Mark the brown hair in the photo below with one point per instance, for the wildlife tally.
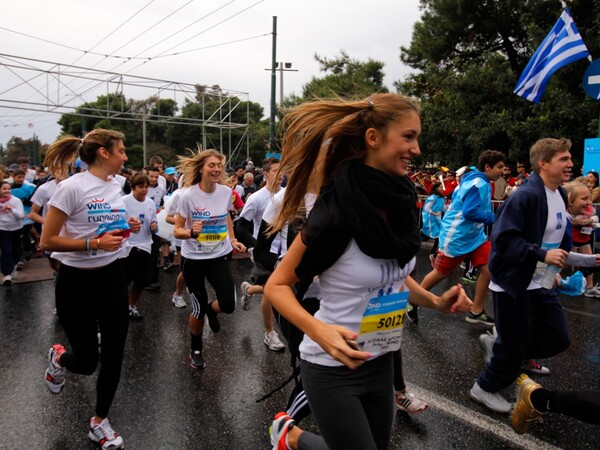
(139, 179)
(545, 149)
(191, 166)
(320, 135)
(64, 150)
(491, 158)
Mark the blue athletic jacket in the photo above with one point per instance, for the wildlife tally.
(470, 210)
(518, 233)
(431, 223)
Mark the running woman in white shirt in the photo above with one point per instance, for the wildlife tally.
(86, 227)
(361, 238)
(205, 227)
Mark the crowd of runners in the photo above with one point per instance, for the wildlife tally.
(332, 250)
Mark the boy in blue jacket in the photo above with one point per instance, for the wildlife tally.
(463, 231)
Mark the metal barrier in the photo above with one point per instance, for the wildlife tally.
(496, 204)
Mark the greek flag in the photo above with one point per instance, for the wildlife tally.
(562, 46)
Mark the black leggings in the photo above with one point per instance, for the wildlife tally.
(216, 271)
(352, 408)
(583, 405)
(85, 301)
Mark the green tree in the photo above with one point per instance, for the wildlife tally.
(346, 78)
(470, 55)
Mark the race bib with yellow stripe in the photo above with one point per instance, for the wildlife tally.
(213, 234)
(381, 326)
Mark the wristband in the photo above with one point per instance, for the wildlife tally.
(87, 245)
(193, 235)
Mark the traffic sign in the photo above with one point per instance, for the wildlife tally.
(591, 80)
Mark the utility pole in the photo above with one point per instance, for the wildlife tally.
(272, 143)
(145, 158)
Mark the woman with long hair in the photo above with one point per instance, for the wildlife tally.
(361, 239)
(204, 224)
(86, 228)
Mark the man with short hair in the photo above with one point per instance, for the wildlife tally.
(463, 232)
(450, 184)
(521, 169)
(531, 241)
(30, 174)
(248, 186)
(247, 229)
(159, 163)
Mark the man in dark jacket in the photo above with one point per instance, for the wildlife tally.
(531, 241)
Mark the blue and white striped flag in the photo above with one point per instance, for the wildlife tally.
(562, 46)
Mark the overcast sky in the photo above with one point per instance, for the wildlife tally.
(364, 29)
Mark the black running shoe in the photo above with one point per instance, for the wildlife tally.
(213, 320)
(413, 313)
(196, 360)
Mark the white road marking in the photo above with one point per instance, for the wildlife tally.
(485, 423)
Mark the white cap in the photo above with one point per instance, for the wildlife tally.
(460, 172)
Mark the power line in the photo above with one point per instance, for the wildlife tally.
(84, 52)
(187, 26)
(149, 28)
(115, 30)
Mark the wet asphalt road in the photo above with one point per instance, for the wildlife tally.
(162, 403)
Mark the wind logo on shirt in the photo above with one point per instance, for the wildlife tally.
(100, 211)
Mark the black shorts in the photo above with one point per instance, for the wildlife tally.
(139, 267)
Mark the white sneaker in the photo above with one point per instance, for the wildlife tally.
(273, 342)
(487, 343)
(105, 435)
(7, 280)
(493, 401)
(593, 292)
(178, 301)
(134, 313)
(246, 297)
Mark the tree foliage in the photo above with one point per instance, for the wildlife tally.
(346, 78)
(169, 138)
(470, 54)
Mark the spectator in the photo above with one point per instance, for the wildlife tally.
(30, 174)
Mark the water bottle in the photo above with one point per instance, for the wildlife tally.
(550, 276)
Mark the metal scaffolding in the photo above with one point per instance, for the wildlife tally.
(49, 87)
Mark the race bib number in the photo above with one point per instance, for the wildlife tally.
(213, 234)
(381, 326)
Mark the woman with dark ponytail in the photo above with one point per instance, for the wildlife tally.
(86, 229)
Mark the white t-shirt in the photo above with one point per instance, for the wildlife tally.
(350, 289)
(553, 235)
(145, 213)
(279, 246)
(213, 210)
(172, 210)
(121, 180)
(92, 206)
(30, 175)
(156, 194)
(43, 194)
(255, 207)
(12, 220)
